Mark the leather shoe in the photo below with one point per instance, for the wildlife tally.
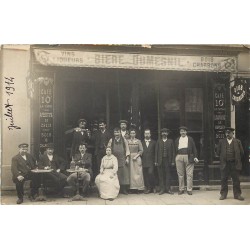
(19, 201)
(161, 192)
(189, 192)
(147, 191)
(223, 197)
(240, 198)
(169, 192)
(181, 192)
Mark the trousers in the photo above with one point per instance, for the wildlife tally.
(34, 184)
(182, 166)
(230, 170)
(164, 174)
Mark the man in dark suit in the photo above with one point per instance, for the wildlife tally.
(80, 134)
(148, 161)
(164, 158)
(83, 160)
(186, 156)
(49, 160)
(21, 166)
(102, 138)
(230, 151)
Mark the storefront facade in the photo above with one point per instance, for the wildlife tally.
(152, 87)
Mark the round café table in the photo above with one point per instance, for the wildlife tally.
(77, 197)
(41, 194)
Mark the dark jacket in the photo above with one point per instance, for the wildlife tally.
(21, 167)
(239, 152)
(56, 163)
(101, 140)
(159, 151)
(85, 162)
(192, 151)
(78, 138)
(148, 155)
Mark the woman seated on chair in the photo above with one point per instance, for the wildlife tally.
(107, 181)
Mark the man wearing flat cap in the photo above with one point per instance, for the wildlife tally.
(230, 151)
(80, 134)
(123, 127)
(186, 156)
(21, 166)
(49, 160)
(164, 158)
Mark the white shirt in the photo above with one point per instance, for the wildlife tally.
(50, 157)
(123, 133)
(24, 157)
(229, 141)
(147, 142)
(183, 142)
(165, 139)
(82, 155)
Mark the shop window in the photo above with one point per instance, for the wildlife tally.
(194, 108)
(183, 106)
(170, 107)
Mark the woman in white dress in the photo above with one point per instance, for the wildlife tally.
(107, 181)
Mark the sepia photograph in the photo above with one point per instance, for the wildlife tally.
(123, 124)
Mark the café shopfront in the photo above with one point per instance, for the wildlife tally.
(151, 88)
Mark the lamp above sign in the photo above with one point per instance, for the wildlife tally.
(134, 61)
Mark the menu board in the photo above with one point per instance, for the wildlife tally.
(46, 108)
(219, 113)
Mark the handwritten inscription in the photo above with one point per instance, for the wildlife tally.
(8, 106)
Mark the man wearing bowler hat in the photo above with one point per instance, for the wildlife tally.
(49, 160)
(21, 166)
(164, 158)
(123, 127)
(230, 151)
(80, 134)
(186, 156)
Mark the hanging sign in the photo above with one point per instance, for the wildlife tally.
(134, 61)
(46, 103)
(219, 112)
(238, 90)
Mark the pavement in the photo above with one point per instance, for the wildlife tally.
(204, 195)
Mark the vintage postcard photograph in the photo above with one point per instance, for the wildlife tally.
(123, 124)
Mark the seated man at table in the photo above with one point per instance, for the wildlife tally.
(84, 161)
(21, 166)
(49, 160)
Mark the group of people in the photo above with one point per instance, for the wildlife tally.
(126, 164)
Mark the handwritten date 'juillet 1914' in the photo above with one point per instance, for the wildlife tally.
(9, 90)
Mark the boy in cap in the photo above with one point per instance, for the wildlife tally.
(230, 151)
(186, 156)
(21, 166)
(164, 158)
